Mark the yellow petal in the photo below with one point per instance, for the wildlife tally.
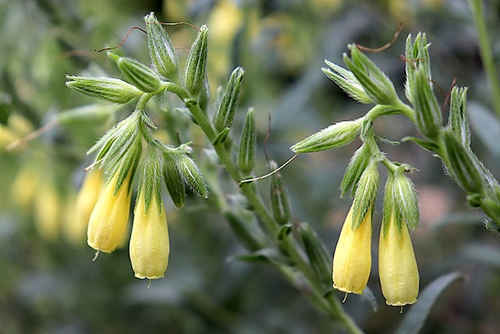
(89, 194)
(149, 243)
(109, 218)
(352, 260)
(397, 266)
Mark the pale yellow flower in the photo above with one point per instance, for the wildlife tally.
(352, 260)
(149, 243)
(47, 211)
(89, 194)
(397, 265)
(108, 221)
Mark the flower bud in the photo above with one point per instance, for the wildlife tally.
(336, 135)
(375, 83)
(458, 121)
(352, 259)
(279, 197)
(405, 197)
(173, 180)
(137, 73)
(149, 243)
(346, 81)
(248, 144)
(225, 114)
(397, 265)
(427, 112)
(192, 175)
(161, 50)
(417, 57)
(109, 218)
(196, 64)
(112, 90)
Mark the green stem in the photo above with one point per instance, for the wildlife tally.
(486, 54)
(330, 307)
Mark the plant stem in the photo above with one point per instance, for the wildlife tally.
(329, 306)
(485, 50)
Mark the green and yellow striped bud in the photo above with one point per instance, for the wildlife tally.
(352, 260)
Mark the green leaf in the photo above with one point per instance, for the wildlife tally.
(416, 316)
(426, 145)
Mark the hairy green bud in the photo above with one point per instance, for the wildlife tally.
(248, 144)
(137, 73)
(196, 64)
(427, 112)
(112, 90)
(279, 197)
(192, 175)
(458, 121)
(225, 114)
(346, 80)
(173, 180)
(336, 135)
(366, 193)
(356, 167)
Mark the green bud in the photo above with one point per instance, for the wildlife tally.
(192, 175)
(112, 90)
(137, 73)
(356, 166)
(417, 57)
(196, 64)
(427, 112)
(173, 180)
(86, 115)
(150, 182)
(346, 81)
(227, 109)
(248, 144)
(366, 193)
(458, 121)
(316, 252)
(336, 135)
(279, 197)
(375, 83)
(161, 50)
(405, 197)
(222, 137)
(464, 166)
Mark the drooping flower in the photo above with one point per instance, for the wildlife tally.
(89, 194)
(352, 259)
(109, 218)
(397, 265)
(149, 243)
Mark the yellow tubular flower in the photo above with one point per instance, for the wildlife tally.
(149, 243)
(89, 194)
(109, 218)
(47, 208)
(352, 260)
(397, 266)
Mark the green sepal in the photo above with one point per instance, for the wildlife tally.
(346, 81)
(366, 193)
(417, 57)
(221, 137)
(427, 112)
(137, 73)
(405, 197)
(336, 135)
(318, 255)
(151, 178)
(91, 114)
(248, 144)
(161, 50)
(109, 89)
(390, 208)
(173, 180)
(375, 83)
(128, 165)
(427, 145)
(458, 120)
(283, 232)
(357, 165)
(224, 116)
(280, 203)
(196, 63)
(192, 175)
(463, 164)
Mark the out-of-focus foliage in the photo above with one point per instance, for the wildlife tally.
(50, 284)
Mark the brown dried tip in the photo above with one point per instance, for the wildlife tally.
(385, 46)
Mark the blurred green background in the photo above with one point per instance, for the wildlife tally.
(48, 283)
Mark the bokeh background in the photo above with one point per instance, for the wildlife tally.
(48, 283)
